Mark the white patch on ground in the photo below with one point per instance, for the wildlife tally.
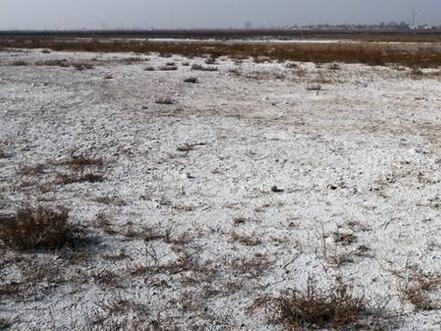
(360, 156)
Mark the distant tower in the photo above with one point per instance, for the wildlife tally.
(413, 26)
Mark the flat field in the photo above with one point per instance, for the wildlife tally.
(210, 192)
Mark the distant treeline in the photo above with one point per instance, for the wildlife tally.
(363, 34)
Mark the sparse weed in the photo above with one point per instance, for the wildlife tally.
(192, 80)
(79, 161)
(37, 228)
(313, 309)
(246, 240)
(65, 179)
(198, 67)
(334, 67)
(20, 63)
(168, 68)
(210, 60)
(54, 63)
(417, 290)
(314, 87)
(165, 100)
(82, 66)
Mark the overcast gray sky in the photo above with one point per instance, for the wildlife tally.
(75, 14)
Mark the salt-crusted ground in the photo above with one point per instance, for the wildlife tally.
(251, 181)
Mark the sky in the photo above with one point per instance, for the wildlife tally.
(179, 14)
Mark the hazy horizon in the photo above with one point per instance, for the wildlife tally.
(181, 14)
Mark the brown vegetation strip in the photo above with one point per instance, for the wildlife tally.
(367, 53)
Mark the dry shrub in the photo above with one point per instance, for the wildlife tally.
(80, 161)
(234, 71)
(185, 148)
(192, 80)
(290, 65)
(314, 87)
(199, 67)
(120, 314)
(168, 68)
(417, 290)
(149, 68)
(314, 309)
(334, 67)
(54, 63)
(345, 239)
(210, 60)
(82, 66)
(36, 228)
(19, 63)
(66, 179)
(132, 60)
(246, 240)
(164, 100)
(252, 267)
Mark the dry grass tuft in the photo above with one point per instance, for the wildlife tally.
(82, 66)
(185, 148)
(20, 63)
(345, 239)
(192, 80)
(168, 68)
(313, 309)
(198, 67)
(54, 63)
(66, 179)
(121, 314)
(417, 291)
(210, 60)
(314, 87)
(246, 240)
(36, 228)
(164, 100)
(334, 67)
(80, 161)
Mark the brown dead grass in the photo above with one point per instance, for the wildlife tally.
(20, 63)
(66, 179)
(365, 52)
(338, 309)
(418, 288)
(198, 67)
(37, 228)
(244, 239)
(79, 161)
(54, 63)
